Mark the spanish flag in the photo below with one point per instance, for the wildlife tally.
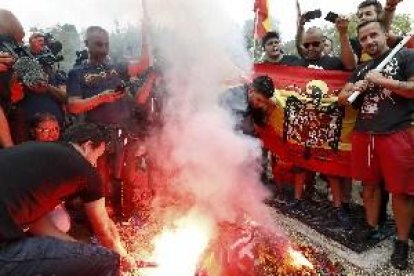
(262, 19)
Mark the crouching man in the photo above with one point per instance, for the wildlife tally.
(34, 179)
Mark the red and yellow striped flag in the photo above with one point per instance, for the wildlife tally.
(262, 18)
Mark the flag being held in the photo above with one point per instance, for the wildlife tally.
(262, 18)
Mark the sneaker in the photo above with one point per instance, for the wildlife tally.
(399, 258)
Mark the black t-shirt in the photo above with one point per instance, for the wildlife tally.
(36, 177)
(290, 60)
(381, 110)
(34, 103)
(365, 57)
(325, 62)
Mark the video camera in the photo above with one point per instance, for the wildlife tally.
(81, 57)
(51, 52)
(27, 67)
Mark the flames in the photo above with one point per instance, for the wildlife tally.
(178, 250)
(298, 260)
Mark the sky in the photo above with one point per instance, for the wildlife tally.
(83, 13)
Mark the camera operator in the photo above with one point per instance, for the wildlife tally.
(47, 96)
(11, 31)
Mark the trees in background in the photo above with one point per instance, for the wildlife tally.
(401, 25)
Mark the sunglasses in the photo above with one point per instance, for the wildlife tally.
(314, 44)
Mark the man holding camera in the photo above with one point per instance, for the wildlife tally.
(310, 44)
(45, 97)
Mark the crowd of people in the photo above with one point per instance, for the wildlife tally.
(47, 159)
(383, 137)
(85, 161)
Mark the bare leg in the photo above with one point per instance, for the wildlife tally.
(300, 179)
(335, 183)
(402, 206)
(346, 194)
(372, 202)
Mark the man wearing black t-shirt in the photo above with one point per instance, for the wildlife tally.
(312, 50)
(273, 51)
(35, 178)
(383, 139)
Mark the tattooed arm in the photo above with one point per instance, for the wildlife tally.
(402, 88)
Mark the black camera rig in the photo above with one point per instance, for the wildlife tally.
(51, 52)
(27, 67)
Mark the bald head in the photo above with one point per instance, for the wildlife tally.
(312, 43)
(10, 25)
(97, 42)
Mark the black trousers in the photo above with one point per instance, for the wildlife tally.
(51, 256)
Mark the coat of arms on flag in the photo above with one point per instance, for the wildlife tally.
(307, 127)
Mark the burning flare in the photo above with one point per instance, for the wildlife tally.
(298, 260)
(177, 251)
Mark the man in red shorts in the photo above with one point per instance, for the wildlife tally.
(383, 141)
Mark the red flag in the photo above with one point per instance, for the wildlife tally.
(262, 19)
(319, 156)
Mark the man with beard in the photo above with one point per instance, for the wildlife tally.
(273, 52)
(35, 178)
(383, 138)
(47, 97)
(369, 10)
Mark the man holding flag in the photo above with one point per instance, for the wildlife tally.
(383, 138)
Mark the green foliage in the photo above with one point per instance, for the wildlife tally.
(70, 39)
(69, 36)
(401, 24)
(125, 43)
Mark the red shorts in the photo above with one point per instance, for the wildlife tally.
(389, 157)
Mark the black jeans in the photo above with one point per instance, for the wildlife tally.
(51, 256)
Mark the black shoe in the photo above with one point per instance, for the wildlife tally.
(343, 218)
(366, 234)
(346, 207)
(399, 258)
(295, 206)
(411, 235)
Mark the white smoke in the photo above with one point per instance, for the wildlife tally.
(200, 48)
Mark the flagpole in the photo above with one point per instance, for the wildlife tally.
(256, 21)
